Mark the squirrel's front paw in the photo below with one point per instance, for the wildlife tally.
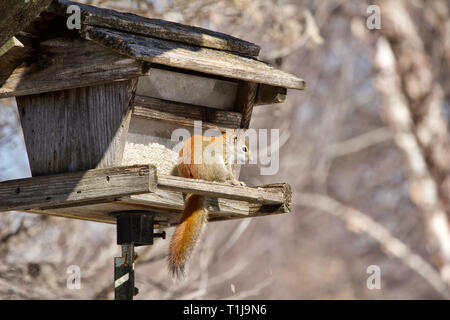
(236, 182)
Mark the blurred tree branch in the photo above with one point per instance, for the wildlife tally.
(412, 106)
(362, 223)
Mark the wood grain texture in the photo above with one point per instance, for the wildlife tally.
(9, 44)
(15, 15)
(12, 54)
(95, 194)
(66, 64)
(245, 99)
(77, 187)
(185, 114)
(216, 190)
(270, 95)
(157, 28)
(169, 205)
(189, 57)
(173, 202)
(76, 129)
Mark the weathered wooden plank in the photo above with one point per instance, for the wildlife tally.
(92, 214)
(15, 15)
(222, 190)
(77, 187)
(198, 90)
(184, 114)
(274, 194)
(270, 95)
(76, 129)
(189, 57)
(245, 99)
(66, 64)
(157, 28)
(14, 53)
(171, 201)
(9, 44)
(168, 205)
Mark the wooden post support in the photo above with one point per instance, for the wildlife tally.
(77, 129)
(245, 99)
(270, 94)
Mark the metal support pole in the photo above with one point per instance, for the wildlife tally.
(134, 228)
(124, 274)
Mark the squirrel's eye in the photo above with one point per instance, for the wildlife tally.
(244, 148)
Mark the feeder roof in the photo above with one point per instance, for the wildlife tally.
(176, 45)
(162, 29)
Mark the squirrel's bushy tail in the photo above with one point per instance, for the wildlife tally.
(186, 234)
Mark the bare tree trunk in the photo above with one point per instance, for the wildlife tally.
(412, 105)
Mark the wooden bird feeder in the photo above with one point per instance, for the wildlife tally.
(90, 97)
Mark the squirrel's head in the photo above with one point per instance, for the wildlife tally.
(240, 152)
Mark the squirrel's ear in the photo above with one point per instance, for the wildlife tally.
(232, 135)
(236, 135)
(239, 133)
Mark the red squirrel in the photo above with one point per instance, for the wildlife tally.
(205, 158)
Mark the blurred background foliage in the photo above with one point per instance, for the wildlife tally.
(365, 148)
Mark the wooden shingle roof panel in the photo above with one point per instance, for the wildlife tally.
(190, 57)
(67, 63)
(157, 28)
